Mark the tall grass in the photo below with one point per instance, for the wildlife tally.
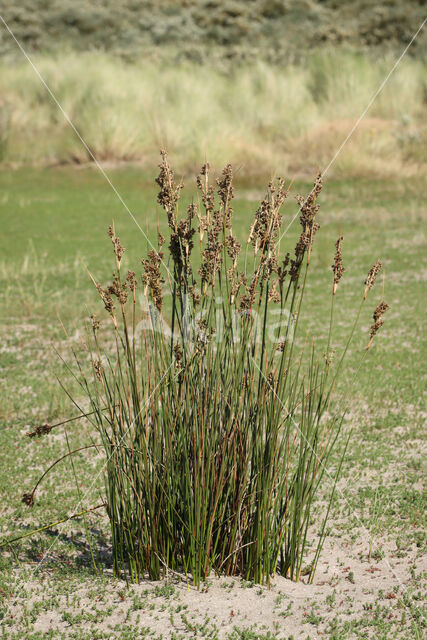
(214, 417)
(260, 117)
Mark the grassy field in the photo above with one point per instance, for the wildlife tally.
(371, 573)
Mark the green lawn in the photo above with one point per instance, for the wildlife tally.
(54, 226)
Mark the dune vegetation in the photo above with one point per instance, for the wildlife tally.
(273, 30)
(262, 118)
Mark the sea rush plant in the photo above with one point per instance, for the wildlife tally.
(216, 429)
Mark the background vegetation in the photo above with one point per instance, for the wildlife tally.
(269, 85)
(259, 117)
(279, 31)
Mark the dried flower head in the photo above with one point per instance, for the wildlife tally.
(378, 321)
(212, 255)
(178, 354)
(28, 499)
(273, 294)
(294, 270)
(270, 382)
(181, 241)
(106, 298)
(236, 281)
(202, 324)
(308, 212)
(337, 267)
(131, 280)
(95, 323)
(225, 189)
(41, 430)
(380, 310)
(268, 220)
(118, 248)
(118, 289)
(233, 248)
(208, 199)
(152, 278)
(169, 192)
(98, 369)
(372, 276)
(247, 299)
(271, 265)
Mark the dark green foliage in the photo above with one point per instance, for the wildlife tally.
(277, 30)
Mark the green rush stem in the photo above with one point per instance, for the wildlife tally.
(83, 415)
(330, 327)
(70, 453)
(263, 339)
(52, 524)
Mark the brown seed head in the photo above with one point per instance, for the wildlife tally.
(169, 192)
(98, 368)
(208, 199)
(181, 241)
(131, 280)
(380, 310)
(195, 295)
(161, 239)
(273, 294)
(177, 350)
(378, 321)
(270, 382)
(225, 188)
(233, 247)
(95, 323)
(372, 276)
(204, 171)
(212, 255)
(236, 280)
(41, 430)
(152, 278)
(106, 298)
(268, 219)
(247, 299)
(294, 270)
(308, 212)
(118, 289)
(118, 248)
(28, 499)
(329, 356)
(337, 267)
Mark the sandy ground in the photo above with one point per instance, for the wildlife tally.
(347, 588)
